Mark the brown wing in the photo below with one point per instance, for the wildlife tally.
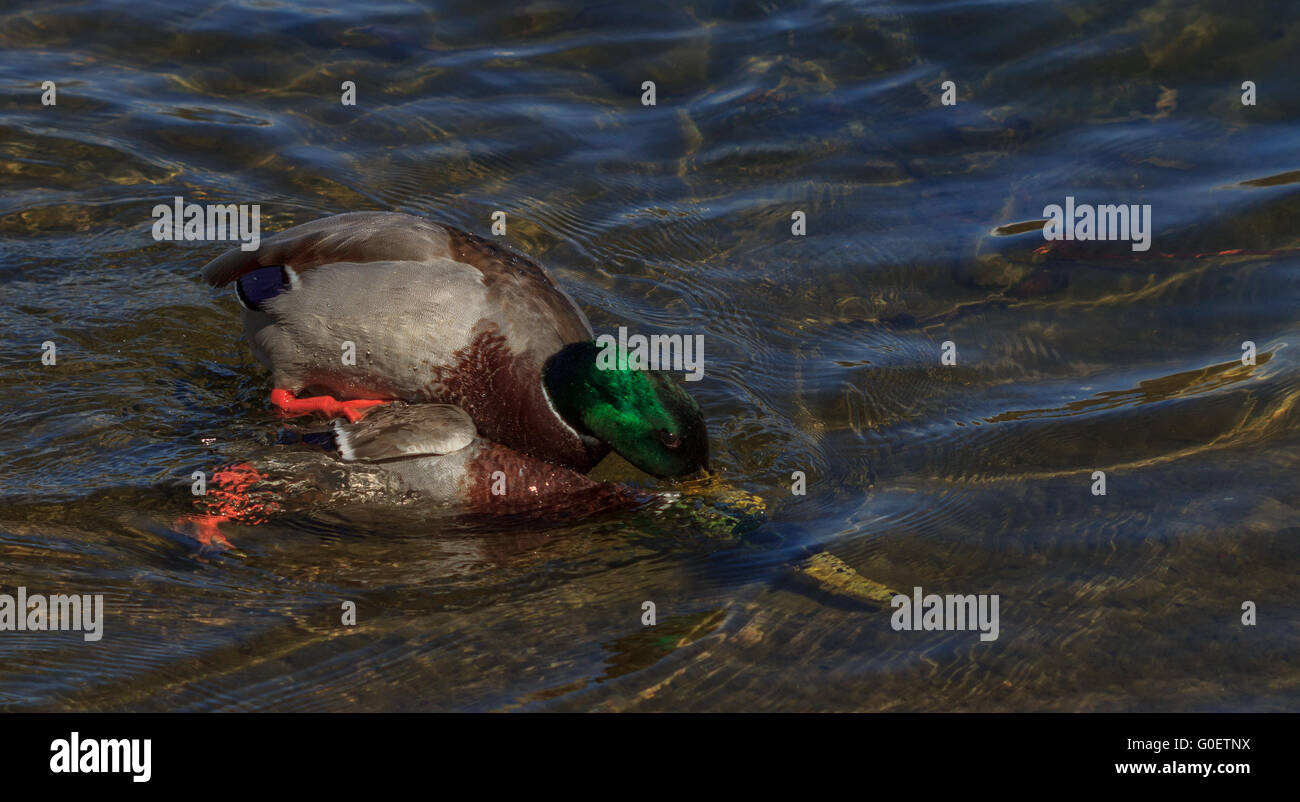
(522, 286)
(405, 431)
(352, 237)
(524, 291)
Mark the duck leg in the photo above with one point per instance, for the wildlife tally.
(327, 405)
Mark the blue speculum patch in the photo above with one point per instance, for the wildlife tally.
(261, 285)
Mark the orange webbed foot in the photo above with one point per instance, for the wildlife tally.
(329, 406)
(206, 529)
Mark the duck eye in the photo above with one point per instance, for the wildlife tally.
(669, 439)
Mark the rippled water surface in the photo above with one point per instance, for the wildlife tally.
(823, 351)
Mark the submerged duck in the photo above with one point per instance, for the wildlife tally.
(435, 315)
(401, 454)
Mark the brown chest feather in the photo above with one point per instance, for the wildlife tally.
(502, 392)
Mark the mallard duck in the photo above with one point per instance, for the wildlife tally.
(434, 315)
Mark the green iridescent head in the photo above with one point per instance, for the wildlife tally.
(643, 415)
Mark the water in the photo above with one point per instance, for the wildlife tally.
(822, 351)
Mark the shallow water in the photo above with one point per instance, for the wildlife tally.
(823, 351)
